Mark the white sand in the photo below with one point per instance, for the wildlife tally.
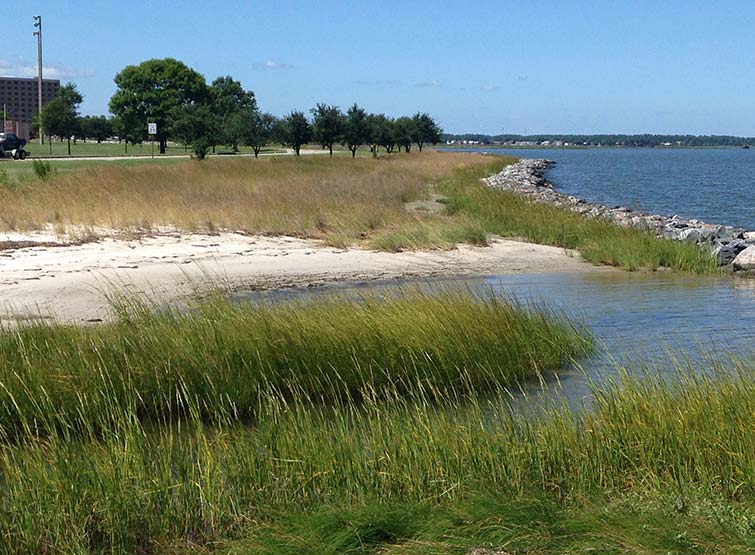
(72, 283)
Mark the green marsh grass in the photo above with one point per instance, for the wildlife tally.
(598, 241)
(654, 466)
(218, 359)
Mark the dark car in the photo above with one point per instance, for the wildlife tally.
(9, 142)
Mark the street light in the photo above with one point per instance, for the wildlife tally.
(38, 34)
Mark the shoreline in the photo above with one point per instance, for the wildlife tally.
(73, 283)
(728, 244)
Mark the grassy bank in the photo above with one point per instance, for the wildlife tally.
(473, 211)
(217, 361)
(655, 468)
(340, 201)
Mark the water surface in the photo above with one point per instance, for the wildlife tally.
(642, 321)
(712, 184)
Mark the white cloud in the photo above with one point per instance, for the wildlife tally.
(431, 83)
(21, 68)
(490, 88)
(271, 65)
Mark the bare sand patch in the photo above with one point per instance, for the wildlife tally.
(72, 283)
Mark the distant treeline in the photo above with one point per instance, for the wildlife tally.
(644, 140)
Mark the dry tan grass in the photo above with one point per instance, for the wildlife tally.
(339, 200)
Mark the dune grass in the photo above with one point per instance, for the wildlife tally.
(338, 200)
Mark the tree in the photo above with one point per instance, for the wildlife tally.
(404, 133)
(357, 130)
(227, 99)
(57, 118)
(97, 128)
(328, 125)
(294, 130)
(155, 89)
(128, 128)
(257, 129)
(386, 134)
(425, 130)
(194, 125)
(60, 116)
(381, 133)
(70, 94)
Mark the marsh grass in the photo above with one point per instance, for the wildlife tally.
(598, 241)
(218, 359)
(654, 466)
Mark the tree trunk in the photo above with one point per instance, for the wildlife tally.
(353, 151)
(297, 149)
(420, 146)
(162, 146)
(256, 151)
(69, 146)
(330, 148)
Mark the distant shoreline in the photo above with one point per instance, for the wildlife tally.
(582, 147)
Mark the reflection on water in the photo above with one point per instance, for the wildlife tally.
(641, 320)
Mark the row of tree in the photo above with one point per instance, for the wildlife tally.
(186, 109)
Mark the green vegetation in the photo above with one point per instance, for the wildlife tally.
(413, 467)
(343, 202)
(473, 210)
(156, 364)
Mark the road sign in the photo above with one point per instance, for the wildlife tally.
(152, 128)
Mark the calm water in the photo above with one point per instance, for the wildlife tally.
(715, 185)
(639, 319)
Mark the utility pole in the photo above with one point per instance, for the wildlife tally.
(38, 34)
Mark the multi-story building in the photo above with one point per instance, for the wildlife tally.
(18, 97)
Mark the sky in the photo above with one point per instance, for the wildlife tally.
(479, 67)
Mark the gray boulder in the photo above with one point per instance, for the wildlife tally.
(745, 260)
(726, 251)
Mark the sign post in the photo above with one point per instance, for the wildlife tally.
(152, 131)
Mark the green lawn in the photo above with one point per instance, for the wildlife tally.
(58, 149)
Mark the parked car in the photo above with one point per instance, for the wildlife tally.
(11, 143)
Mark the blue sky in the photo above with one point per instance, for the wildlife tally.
(483, 66)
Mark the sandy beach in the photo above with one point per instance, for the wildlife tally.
(73, 283)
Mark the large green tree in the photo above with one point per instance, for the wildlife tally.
(96, 128)
(255, 129)
(228, 99)
(357, 129)
(404, 133)
(425, 130)
(154, 90)
(328, 125)
(381, 133)
(60, 116)
(194, 124)
(294, 130)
